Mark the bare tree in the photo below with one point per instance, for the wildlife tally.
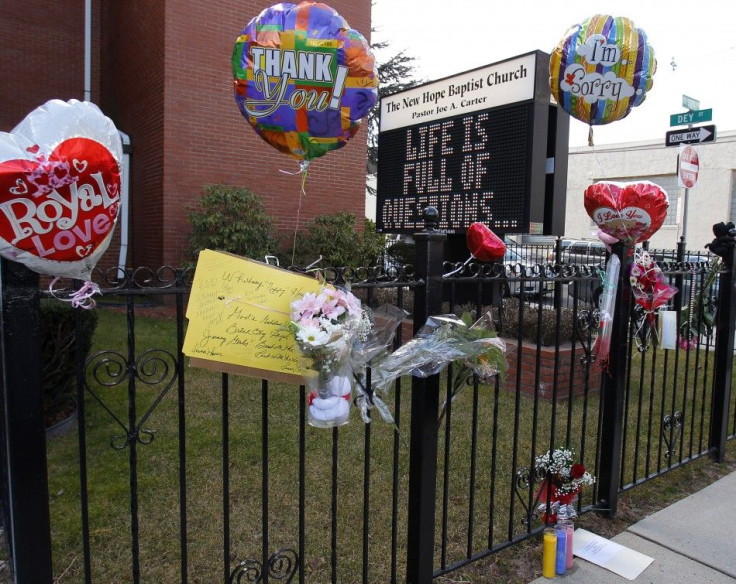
(394, 74)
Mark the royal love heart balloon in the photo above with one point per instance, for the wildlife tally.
(60, 187)
(303, 78)
(630, 212)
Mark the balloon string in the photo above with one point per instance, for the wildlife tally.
(590, 136)
(82, 298)
(304, 171)
(456, 270)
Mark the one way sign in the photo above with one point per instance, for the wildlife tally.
(691, 136)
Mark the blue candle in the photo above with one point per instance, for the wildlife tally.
(561, 556)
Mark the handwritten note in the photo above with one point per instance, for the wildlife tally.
(609, 554)
(238, 311)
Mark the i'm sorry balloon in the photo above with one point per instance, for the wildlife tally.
(631, 212)
(59, 188)
(303, 78)
(601, 69)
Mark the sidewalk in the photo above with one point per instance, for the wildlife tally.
(692, 542)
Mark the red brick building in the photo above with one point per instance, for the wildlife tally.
(161, 71)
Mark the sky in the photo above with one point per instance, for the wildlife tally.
(694, 44)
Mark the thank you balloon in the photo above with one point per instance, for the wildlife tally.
(303, 78)
(59, 188)
(630, 212)
(601, 69)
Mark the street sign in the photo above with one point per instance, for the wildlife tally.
(690, 136)
(690, 103)
(688, 166)
(691, 117)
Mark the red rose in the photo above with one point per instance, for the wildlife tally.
(483, 244)
(577, 471)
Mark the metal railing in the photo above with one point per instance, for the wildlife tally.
(227, 472)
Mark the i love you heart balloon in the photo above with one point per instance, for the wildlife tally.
(631, 212)
(59, 188)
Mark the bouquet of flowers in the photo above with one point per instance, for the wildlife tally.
(563, 480)
(649, 287)
(473, 347)
(326, 326)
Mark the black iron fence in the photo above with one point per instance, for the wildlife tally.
(183, 475)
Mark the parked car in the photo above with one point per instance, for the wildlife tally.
(519, 266)
(565, 242)
(581, 251)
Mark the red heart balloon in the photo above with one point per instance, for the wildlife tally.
(483, 244)
(631, 212)
(59, 189)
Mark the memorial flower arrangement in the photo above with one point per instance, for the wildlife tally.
(563, 480)
(486, 354)
(650, 288)
(325, 327)
(473, 348)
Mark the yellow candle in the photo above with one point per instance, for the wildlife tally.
(549, 550)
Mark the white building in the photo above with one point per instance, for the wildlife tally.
(711, 200)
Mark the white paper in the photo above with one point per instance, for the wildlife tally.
(609, 554)
(668, 323)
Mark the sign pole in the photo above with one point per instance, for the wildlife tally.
(684, 215)
(688, 168)
(687, 190)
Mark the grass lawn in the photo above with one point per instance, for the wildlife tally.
(509, 431)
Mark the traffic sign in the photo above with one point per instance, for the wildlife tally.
(691, 117)
(690, 136)
(688, 166)
(690, 103)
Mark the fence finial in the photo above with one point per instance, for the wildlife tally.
(431, 218)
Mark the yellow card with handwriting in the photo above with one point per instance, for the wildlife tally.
(238, 311)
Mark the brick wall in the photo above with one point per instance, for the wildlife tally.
(161, 72)
(206, 139)
(42, 48)
(133, 96)
(570, 372)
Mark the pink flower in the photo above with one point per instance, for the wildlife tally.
(332, 310)
(309, 305)
(353, 305)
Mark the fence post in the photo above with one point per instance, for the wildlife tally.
(25, 482)
(557, 260)
(613, 387)
(725, 329)
(425, 393)
(681, 248)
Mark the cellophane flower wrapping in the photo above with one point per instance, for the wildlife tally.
(699, 316)
(326, 326)
(649, 287)
(607, 303)
(648, 284)
(473, 347)
(385, 320)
